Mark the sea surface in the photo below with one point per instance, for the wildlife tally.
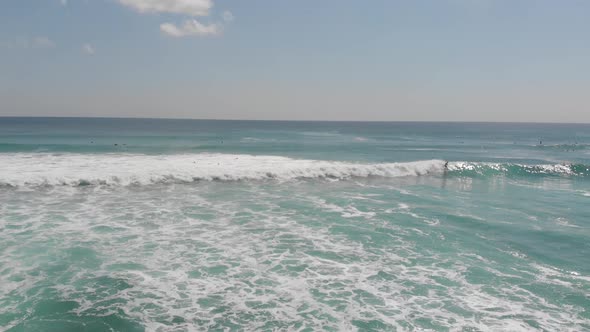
(191, 225)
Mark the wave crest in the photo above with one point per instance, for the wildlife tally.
(472, 169)
(44, 169)
(132, 169)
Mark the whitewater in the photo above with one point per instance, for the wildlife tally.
(25, 169)
(178, 225)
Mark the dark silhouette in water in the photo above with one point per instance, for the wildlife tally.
(446, 169)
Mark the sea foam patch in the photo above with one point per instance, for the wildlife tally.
(42, 169)
(253, 256)
(129, 169)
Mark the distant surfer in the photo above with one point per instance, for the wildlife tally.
(444, 175)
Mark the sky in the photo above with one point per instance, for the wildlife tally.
(390, 60)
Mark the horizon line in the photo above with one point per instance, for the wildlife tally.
(288, 120)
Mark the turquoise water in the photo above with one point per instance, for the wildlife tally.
(185, 225)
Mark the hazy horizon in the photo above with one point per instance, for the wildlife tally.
(451, 60)
(286, 120)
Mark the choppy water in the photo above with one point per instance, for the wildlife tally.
(176, 225)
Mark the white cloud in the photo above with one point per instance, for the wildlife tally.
(21, 42)
(190, 8)
(42, 42)
(63, 2)
(88, 49)
(190, 28)
(227, 16)
(27, 43)
(186, 7)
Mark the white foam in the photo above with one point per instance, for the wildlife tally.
(23, 169)
(565, 222)
(193, 230)
(345, 212)
(480, 167)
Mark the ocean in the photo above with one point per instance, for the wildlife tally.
(191, 225)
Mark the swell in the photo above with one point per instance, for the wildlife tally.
(475, 169)
(45, 169)
(564, 147)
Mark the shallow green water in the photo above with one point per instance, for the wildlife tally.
(194, 225)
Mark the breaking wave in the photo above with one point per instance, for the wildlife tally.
(45, 169)
(472, 169)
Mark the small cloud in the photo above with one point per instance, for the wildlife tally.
(227, 16)
(88, 49)
(185, 7)
(188, 8)
(190, 28)
(42, 42)
(27, 43)
(21, 42)
(63, 2)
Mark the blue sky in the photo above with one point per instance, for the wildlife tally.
(465, 60)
